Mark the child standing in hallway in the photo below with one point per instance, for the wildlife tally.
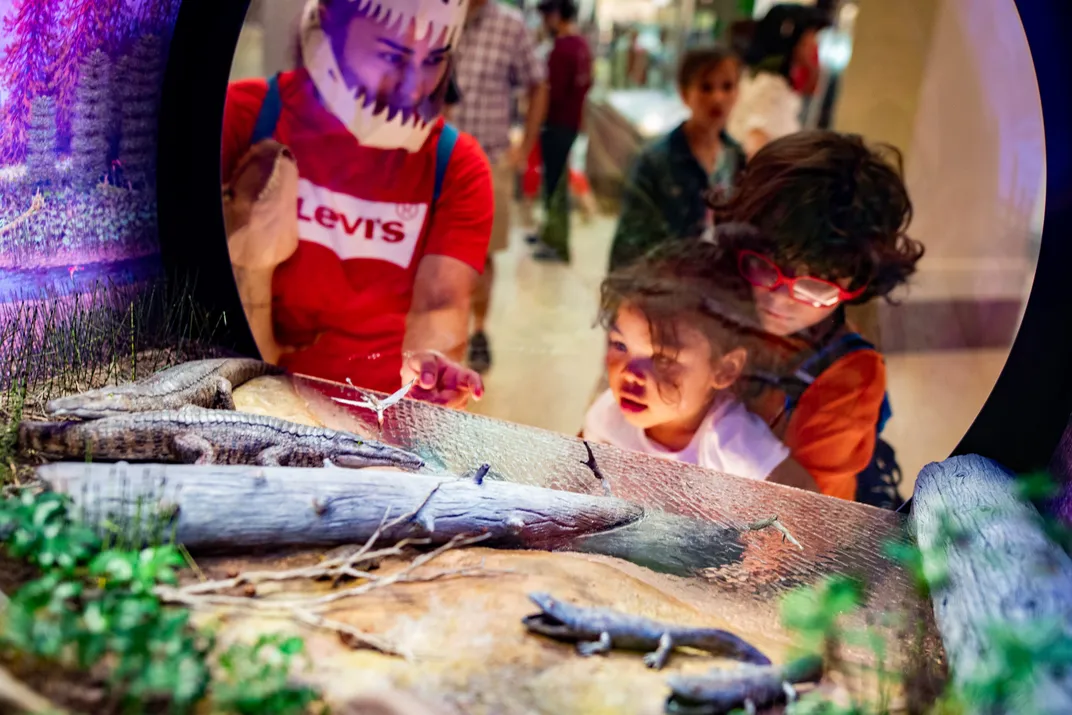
(663, 199)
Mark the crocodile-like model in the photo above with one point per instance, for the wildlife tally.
(600, 630)
(193, 435)
(204, 383)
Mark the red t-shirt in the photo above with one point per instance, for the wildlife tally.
(569, 78)
(363, 224)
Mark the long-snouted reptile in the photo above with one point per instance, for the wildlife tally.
(193, 435)
(600, 630)
(205, 383)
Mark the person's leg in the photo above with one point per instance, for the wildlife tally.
(556, 149)
(503, 180)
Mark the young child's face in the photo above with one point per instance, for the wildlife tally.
(783, 310)
(634, 367)
(710, 96)
(780, 315)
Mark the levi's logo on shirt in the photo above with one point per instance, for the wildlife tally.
(356, 228)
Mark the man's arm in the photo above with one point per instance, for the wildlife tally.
(437, 331)
(439, 315)
(536, 112)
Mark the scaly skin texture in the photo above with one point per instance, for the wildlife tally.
(193, 435)
(204, 383)
(599, 630)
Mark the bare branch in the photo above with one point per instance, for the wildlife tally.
(309, 609)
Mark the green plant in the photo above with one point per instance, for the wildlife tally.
(814, 614)
(94, 605)
(255, 678)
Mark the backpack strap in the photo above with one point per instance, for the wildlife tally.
(444, 149)
(271, 108)
(809, 370)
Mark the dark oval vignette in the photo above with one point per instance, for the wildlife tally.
(1022, 420)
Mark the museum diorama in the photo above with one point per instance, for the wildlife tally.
(188, 526)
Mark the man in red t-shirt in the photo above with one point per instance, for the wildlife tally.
(569, 69)
(378, 288)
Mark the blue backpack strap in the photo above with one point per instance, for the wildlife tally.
(444, 149)
(810, 369)
(271, 108)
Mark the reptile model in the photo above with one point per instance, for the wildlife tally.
(193, 435)
(205, 383)
(750, 687)
(600, 630)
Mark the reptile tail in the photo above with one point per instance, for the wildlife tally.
(36, 436)
(719, 642)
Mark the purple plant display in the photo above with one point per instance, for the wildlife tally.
(80, 83)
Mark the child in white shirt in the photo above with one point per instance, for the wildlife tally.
(672, 360)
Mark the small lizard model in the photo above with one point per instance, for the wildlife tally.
(600, 630)
(205, 383)
(193, 435)
(750, 687)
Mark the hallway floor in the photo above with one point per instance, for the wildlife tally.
(547, 355)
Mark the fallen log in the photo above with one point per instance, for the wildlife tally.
(1002, 572)
(243, 508)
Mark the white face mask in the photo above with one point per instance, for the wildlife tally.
(381, 125)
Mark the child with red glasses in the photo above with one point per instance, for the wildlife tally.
(818, 222)
(675, 352)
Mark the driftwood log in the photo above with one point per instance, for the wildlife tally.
(240, 509)
(1002, 570)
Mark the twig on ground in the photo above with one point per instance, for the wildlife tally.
(335, 568)
(594, 468)
(774, 523)
(310, 609)
(22, 697)
(192, 564)
(355, 636)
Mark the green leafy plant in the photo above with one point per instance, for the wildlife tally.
(814, 614)
(255, 678)
(94, 605)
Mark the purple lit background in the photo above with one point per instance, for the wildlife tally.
(79, 92)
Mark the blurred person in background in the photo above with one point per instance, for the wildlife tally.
(569, 77)
(496, 56)
(663, 198)
(783, 67)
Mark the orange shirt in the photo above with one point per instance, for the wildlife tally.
(831, 432)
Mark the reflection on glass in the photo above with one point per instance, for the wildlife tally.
(659, 149)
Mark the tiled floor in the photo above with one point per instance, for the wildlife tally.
(547, 356)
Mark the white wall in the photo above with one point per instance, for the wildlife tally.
(976, 163)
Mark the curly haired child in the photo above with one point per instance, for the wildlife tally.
(819, 222)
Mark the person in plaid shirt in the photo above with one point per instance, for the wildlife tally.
(495, 57)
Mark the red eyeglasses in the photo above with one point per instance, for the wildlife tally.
(816, 292)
